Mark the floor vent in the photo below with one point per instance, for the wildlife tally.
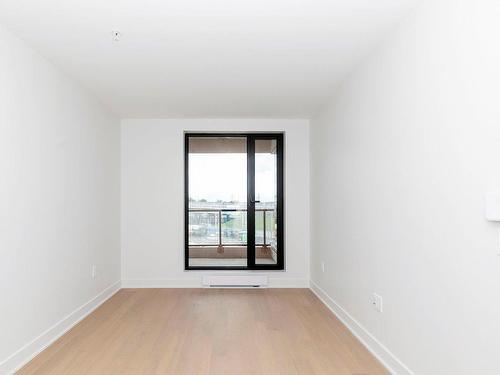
(235, 281)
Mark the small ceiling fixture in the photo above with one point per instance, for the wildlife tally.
(116, 35)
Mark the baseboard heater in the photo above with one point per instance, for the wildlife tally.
(235, 281)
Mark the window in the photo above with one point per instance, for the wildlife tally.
(234, 201)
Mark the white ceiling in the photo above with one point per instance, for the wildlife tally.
(205, 58)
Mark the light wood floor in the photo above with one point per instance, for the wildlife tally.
(208, 331)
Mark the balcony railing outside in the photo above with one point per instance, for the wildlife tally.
(228, 227)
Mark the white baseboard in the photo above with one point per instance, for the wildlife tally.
(161, 283)
(33, 348)
(384, 355)
(274, 282)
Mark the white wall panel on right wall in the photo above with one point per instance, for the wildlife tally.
(401, 159)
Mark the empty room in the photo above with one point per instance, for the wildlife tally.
(234, 187)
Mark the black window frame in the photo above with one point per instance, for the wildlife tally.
(280, 214)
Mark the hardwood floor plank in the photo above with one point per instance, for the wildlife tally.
(208, 332)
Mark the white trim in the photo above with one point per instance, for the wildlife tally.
(21, 357)
(161, 283)
(278, 282)
(222, 280)
(384, 355)
(274, 282)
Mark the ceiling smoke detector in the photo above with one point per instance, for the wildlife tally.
(116, 35)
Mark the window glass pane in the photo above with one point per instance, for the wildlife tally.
(266, 178)
(217, 201)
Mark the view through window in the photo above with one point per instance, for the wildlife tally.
(218, 178)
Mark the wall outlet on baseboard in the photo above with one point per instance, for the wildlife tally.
(376, 302)
(93, 272)
(323, 266)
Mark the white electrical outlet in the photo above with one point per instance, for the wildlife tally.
(94, 271)
(376, 302)
(323, 265)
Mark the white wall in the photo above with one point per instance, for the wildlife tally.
(401, 158)
(153, 199)
(59, 199)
